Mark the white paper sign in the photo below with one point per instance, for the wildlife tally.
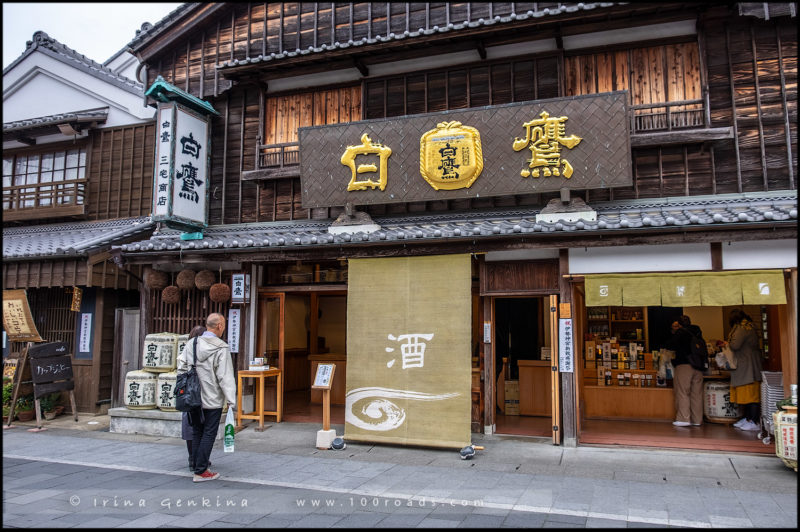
(487, 332)
(565, 341)
(238, 290)
(163, 162)
(323, 376)
(234, 325)
(189, 188)
(86, 333)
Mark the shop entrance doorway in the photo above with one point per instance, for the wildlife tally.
(296, 331)
(526, 391)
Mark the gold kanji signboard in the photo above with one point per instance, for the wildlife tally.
(580, 143)
(450, 156)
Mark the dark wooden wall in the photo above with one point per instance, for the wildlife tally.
(237, 32)
(747, 66)
(752, 76)
(120, 172)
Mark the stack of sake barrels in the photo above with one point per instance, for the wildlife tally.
(153, 386)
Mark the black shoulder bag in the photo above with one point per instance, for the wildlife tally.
(187, 388)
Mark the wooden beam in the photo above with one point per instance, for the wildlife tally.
(681, 137)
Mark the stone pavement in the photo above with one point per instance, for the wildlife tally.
(77, 474)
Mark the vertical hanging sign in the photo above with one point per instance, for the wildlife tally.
(234, 327)
(565, 345)
(180, 181)
(238, 290)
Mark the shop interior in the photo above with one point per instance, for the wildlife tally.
(522, 366)
(313, 330)
(628, 400)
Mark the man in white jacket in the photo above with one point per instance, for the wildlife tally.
(217, 385)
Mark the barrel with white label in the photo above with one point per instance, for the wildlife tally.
(182, 340)
(717, 407)
(140, 390)
(166, 391)
(160, 352)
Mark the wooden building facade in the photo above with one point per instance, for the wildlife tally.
(74, 183)
(711, 96)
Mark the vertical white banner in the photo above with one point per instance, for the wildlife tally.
(191, 166)
(565, 341)
(162, 178)
(234, 327)
(86, 333)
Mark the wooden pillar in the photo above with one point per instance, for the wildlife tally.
(787, 316)
(569, 435)
(97, 346)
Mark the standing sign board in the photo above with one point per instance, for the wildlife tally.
(181, 175)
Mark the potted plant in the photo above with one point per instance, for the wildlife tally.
(48, 404)
(24, 408)
(8, 392)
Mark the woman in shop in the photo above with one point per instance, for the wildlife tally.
(688, 381)
(745, 379)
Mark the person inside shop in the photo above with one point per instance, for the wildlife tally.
(688, 381)
(186, 425)
(746, 378)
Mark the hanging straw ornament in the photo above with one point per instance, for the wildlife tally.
(185, 279)
(220, 292)
(203, 281)
(171, 294)
(186, 283)
(154, 279)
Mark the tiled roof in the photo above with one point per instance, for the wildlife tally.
(49, 46)
(567, 7)
(69, 239)
(729, 210)
(162, 25)
(99, 115)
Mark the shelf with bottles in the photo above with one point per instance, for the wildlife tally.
(627, 324)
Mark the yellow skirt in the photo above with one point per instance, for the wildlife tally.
(748, 393)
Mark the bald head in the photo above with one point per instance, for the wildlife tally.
(215, 323)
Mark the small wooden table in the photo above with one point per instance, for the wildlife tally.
(259, 412)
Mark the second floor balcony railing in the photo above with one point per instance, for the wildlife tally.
(44, 200)
(668, 116)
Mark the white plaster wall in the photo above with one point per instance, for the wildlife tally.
(655, 258)
(758, 254)
(41, 86)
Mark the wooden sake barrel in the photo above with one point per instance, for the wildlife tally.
(140, 390)
(160, 353)
(165, 389)
(717, 406)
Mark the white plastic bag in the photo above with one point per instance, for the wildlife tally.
(230, 431)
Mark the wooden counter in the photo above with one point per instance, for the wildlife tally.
(628, 402)
(535, 398)
(338, 388)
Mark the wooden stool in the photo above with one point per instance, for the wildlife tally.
(259, 411)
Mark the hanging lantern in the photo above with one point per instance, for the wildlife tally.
(171, 295)
(185, 280)
(154, 279)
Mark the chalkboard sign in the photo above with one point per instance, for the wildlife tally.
(51, 368)
(324, 376)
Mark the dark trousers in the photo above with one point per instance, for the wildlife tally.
(204, 433)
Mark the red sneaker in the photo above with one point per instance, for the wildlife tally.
(206, 475)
